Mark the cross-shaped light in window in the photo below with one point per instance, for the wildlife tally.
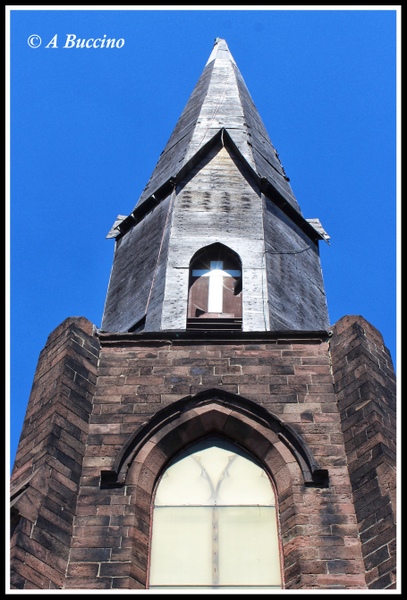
(216, 274)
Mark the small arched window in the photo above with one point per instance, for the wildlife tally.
(214, 522)
(215, 289)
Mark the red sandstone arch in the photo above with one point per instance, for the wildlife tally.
(277, 447)
(275, 444)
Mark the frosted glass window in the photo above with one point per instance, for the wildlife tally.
(182, 543)
(214, 522)
(248, 548)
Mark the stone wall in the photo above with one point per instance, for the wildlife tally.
(109, 411)
(366, 394)
(212, 386)
(48, 465)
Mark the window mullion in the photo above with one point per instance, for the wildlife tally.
(215, 546)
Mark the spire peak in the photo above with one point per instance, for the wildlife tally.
(220, 102)
(220, 47)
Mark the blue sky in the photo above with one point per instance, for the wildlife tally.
(87, 127)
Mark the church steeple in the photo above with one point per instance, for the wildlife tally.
(218, 196)
(176, 447)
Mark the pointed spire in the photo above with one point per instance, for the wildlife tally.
(232, 197)
(220, 46)
(220, 102)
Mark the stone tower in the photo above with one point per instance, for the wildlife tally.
(216, 432)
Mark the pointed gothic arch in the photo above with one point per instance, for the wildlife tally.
(234, 417)
(282, 453)
(215, 289)
(214, 522)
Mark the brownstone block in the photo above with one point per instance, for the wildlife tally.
(341, 581)
(83, 569)
(29, 577)
(115, 569)
(46, 570)
(84, 583)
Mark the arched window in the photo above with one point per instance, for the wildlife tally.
(215, 289)
(214, 522)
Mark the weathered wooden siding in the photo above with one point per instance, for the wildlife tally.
(296, 292)
(216, 204)
(221, 100)
(135, 270)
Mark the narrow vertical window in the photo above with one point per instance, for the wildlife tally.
(214, 522)
(215, 289)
